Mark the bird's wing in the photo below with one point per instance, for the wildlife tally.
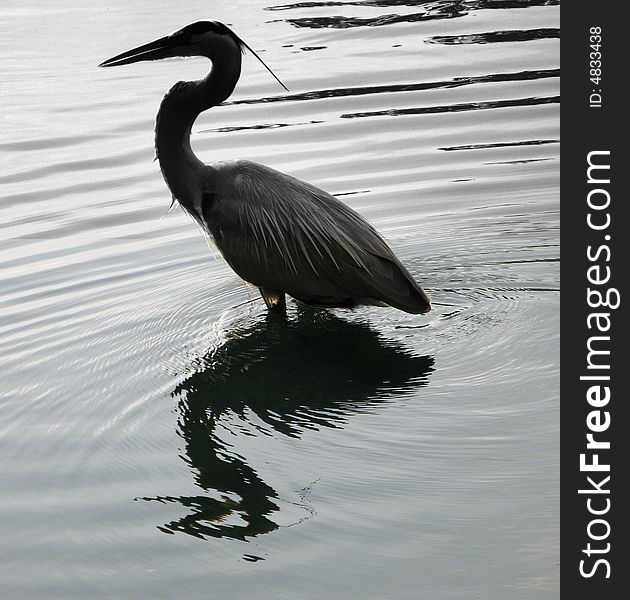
(279, 232)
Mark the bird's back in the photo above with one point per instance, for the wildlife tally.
(281, 233)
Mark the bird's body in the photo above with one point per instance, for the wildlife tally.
(277, 232)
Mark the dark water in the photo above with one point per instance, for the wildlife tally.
(160, 435)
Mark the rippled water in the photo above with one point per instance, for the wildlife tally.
(159, 435)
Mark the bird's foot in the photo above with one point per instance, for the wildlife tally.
(274, 300)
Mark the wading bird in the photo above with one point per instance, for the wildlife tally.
(278, 233)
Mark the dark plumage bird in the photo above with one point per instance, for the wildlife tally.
(278, 233)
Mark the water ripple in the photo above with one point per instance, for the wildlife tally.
(407, 87)
(255, 127)
(465, 106)
(448, 6)
(516, 35)
(498, 145)
(48, 142)
(434, 10)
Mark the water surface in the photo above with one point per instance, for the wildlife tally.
(160, 435)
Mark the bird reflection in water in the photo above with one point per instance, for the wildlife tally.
(305, 373)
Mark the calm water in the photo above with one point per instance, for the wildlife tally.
(159, 437)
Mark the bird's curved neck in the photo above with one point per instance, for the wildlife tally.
(180, 107)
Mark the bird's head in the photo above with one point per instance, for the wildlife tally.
(201, 38)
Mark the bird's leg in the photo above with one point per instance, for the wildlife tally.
(274, 300)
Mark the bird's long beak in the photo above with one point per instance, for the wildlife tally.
(156, 50)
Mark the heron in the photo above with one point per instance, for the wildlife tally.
(280, 234)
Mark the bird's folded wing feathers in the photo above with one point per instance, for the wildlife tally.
(279, 232)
